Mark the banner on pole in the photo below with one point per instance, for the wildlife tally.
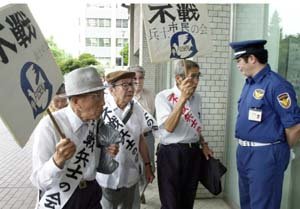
(29, 76)
(176, 31)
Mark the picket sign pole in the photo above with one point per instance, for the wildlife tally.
(62, 135)
(185, 70)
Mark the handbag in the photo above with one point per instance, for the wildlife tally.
(210, 174)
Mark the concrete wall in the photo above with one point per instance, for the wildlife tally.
(213, 85)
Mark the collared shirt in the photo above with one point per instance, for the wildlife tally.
(146, 99)
(273, 96)
(183, 133)
(45, 173)
(127, 174)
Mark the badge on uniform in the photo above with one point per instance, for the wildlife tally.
(255, 114)
(258, 94)
(284, 100)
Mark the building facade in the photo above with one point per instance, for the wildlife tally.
(104, 32)
(221, 83)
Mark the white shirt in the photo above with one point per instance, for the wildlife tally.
(45, 173)
(127, 174)
(183, 133)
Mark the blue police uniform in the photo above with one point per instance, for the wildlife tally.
(266, 107)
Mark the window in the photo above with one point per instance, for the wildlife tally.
(105, 61)
(97, 42)
(99, 5)
(120, 42)
(119, 61)
(122, 23)
(98, 22)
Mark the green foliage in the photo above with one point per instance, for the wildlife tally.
(59, 55)
(82, 61)
(70, 65)
(67, 63)
(124, 54)
(87, 59)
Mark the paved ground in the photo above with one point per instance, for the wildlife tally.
(16, 191)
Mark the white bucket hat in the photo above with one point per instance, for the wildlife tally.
(82, 80)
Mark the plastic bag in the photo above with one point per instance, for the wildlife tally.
(106, 135)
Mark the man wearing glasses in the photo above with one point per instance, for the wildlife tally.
(178, 155)
(126, 117)
(64, 167)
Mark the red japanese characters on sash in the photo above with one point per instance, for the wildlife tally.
(187, 115)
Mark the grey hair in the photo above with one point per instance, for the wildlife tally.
(179, 66)
(136, 68)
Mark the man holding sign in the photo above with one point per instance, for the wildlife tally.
(179, 154)
(64, 168)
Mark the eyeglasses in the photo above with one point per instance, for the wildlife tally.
(193, 76)
(126, 85)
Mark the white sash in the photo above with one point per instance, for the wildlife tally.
(57, 197)
(127, 145)
(149, 119)
(187, 115)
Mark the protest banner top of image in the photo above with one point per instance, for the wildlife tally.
(176, 31)
(29, 76)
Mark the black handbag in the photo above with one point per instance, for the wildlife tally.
(210, 174)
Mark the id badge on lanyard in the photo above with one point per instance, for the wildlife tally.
(255, 114)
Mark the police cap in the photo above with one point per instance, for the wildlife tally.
(242, 48)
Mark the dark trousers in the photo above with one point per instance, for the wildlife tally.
(177, 173)
(87, 198)
(261, 172)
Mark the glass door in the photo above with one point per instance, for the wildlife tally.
(284, 49)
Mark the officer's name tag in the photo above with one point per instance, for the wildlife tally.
(255, 115)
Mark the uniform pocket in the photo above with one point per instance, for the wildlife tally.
(257, 104)
(281, 153)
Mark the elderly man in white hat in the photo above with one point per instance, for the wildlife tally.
(128, 118)
(64, 168)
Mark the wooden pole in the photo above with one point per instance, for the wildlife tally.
(62, 135)
(185, 69)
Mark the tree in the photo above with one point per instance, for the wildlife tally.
(124, 54)
(60, 56)
(83, 60)
(67, 63)
(87, 59)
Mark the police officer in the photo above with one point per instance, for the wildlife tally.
(268, 118)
